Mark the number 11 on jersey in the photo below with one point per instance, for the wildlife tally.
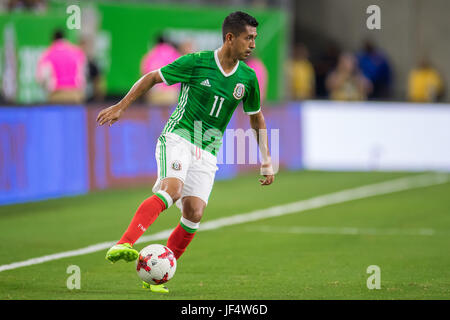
(216, 98)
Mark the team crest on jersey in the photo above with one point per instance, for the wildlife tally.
(176, 165)
(239, 91)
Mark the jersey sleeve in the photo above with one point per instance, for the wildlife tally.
(251, 101)
(178, 71)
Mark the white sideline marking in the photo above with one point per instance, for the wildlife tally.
(344, 231)
(386, 187)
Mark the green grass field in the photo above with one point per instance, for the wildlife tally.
(321, 253)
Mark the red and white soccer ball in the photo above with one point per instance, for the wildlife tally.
(156, 264)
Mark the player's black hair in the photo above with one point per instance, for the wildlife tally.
(236, 22)
(58, 34)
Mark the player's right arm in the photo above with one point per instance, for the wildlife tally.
(113, 113)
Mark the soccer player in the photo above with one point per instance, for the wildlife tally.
(213, 85)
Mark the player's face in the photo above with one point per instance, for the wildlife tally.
(245, 43)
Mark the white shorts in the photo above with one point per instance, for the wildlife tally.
(178, 158)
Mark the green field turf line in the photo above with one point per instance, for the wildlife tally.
(345, 231)
(387, 187)
(396, 185)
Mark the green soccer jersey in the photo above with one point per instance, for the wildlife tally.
(208, 97)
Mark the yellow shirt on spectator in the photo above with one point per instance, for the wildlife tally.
(303, 78)
(424, 85)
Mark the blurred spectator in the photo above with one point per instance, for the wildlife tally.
(261, 74)
(347, 82)
(375, 67)
(95, 82)
(31, 5)
(61, 71)
(325, 64)
(186, 47)
(161, 54)
(425, 83)
(302, 74)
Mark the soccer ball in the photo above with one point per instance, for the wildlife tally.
(156, 264)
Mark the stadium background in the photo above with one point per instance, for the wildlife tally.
(52, 151)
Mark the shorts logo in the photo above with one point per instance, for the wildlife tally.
(239, 91)
(176, 165)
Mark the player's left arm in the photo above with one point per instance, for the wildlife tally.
(258, 124)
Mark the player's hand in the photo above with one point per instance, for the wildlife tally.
(267, 172)
(268, 179)
(110, 115)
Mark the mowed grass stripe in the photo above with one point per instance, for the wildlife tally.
(366, 191)
(347, 231)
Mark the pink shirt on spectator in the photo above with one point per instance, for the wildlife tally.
(62, 66)
(261, 75)
(161, 55)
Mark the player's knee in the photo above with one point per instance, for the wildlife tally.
(195, 215)
(193, 210)
(175, 195)
(173, 187)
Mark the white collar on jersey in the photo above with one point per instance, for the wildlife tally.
(216, 57)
